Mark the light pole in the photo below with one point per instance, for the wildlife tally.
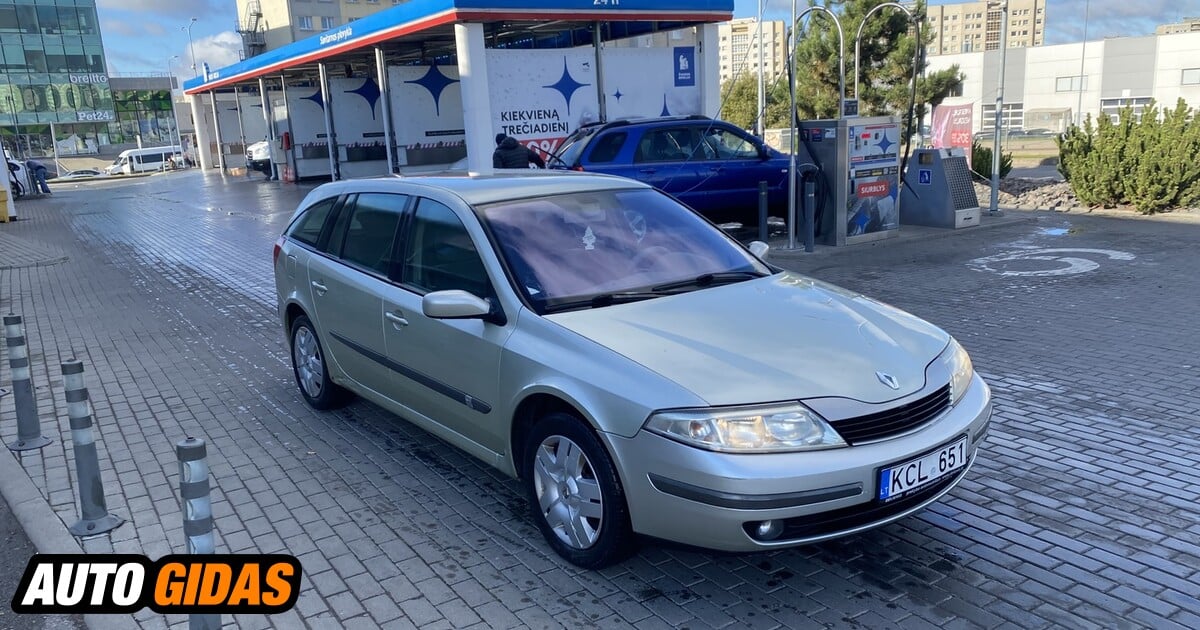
(174, 116)
(191, 49)
(762, 95)
(1082, 55)
(994, 209)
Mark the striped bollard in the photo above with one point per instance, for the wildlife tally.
(94, 518)
(29, 427)
(197, 512)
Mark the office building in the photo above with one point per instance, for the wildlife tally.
(740, 51)
(975, 26)
(52, 72)
(1044, 88)
(56, 89)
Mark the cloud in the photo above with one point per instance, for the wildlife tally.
(218, 50)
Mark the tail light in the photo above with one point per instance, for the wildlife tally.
(577, 168)
(278, 248)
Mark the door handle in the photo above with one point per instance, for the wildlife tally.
(321, 289)
(397, 321)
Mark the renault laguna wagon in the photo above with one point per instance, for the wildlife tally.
(637, 369)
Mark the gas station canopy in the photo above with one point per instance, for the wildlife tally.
(423, 30)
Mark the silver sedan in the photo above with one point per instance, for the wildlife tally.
(640, 371)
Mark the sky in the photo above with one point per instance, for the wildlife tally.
(143, 35)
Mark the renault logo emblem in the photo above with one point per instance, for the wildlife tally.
(888, 379)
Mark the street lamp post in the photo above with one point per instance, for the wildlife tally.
(762, 96)
(994, 209)
(191, 49)
(1082, 56)
(174, 117)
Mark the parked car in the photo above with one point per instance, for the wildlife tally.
(83, 173)
(640, 371)
(710, 165)
(258, 157)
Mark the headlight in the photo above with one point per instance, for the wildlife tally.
(959, 364)
(765, 429)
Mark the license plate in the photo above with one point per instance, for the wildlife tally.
(897, 481)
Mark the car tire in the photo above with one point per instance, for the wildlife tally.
(574, 493)
(310, 368)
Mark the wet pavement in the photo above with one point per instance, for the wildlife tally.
(1081, 512)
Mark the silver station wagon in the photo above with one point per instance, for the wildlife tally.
(641, 372)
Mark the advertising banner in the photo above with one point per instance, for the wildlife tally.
(306, 109)
(358, 126)
(427, 116)
(541, 96)
(874, 179)
(952, 125)
(648, 82)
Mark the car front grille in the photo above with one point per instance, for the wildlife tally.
(848, 518)
(894, 421)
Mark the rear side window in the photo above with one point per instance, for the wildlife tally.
(372, 231)
(307, 229)
(665, 144)
(607, 148)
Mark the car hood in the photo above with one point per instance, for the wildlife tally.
(784, 337)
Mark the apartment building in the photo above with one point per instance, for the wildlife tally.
(741, 51)
(1187, 25)
(269, 24)
(976, 26)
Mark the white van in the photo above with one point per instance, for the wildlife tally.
(132, 161)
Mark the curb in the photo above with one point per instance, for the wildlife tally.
(45, 529)
(1025, 216)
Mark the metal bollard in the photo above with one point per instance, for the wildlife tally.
(197, 512)
(193, 489)
(762, 212)
(29, 427)
(94, 518)
(810, 212)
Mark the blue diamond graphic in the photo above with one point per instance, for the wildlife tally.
(369, 90)
(435, 82)
(665, 111)
(316, 98)
(617, 95)
(884, 144)
(566, 85)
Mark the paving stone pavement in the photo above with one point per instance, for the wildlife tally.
(1082, 510)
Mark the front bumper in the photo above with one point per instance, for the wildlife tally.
(706, 499)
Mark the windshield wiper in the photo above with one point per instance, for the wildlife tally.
(604, 299)
(709, 279)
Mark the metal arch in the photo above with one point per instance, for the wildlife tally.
(792, 112)
(841, 53)
(858, 44)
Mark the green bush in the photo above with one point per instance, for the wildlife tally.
(1149, 163)
(981, 160)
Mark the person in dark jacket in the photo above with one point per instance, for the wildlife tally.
(37, 172)
(510, 153)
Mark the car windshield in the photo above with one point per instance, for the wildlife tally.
(591, 249)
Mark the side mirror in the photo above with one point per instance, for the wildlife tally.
(459, 304)
(759, 248)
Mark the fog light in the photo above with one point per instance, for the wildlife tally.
(768, 530)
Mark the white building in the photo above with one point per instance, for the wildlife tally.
(1046, 87)
(740, 50)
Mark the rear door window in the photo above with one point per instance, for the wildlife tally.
(371, 231)
(666, 144)
(607, 147)
(307, 228)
